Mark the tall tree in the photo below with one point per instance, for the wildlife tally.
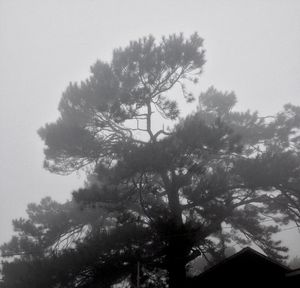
(188, 180)
(211, 179)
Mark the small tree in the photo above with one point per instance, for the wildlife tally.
(172, 194)
(62, 245)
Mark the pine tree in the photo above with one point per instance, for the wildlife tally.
(167, 196)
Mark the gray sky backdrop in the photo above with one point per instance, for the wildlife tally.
(253, 48)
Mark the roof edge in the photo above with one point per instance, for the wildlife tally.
(242, 251)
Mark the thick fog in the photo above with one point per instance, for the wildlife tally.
(252, 48)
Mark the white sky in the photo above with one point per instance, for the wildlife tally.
(253, 48)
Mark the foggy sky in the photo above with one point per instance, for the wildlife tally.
(253, 48)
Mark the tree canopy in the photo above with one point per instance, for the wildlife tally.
(157, 198)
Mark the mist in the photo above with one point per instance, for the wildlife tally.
(251, 51)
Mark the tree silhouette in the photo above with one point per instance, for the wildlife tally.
(167, 195)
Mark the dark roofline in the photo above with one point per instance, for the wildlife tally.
(242, 251)
(268, 258)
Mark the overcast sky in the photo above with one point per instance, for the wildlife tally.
(253, 48)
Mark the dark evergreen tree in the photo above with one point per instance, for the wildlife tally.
(166, 195)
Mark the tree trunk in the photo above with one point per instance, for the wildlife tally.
(176, 247)
(176, 264)
(176, 253)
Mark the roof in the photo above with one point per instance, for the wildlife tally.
(246, 264)
(246, 250)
